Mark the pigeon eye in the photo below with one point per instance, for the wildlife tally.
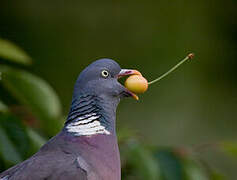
(105, 73)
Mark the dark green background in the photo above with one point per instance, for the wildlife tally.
(193, 106)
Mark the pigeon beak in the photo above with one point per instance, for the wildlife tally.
(126, 72)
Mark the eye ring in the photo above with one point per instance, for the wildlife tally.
(105, 73)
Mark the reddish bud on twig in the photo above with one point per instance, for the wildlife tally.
(191, 56)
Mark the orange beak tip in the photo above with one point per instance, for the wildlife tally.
(135, 97)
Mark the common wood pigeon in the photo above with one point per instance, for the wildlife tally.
(86, 148)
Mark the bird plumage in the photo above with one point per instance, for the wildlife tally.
(73, 158)
(86, 148)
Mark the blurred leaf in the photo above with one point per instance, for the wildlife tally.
(124, 134)
(204, 166)
(3, 107)
(229, 147)
(16, 132)
(37, 140)
(7, 149)
(37, 95)
(11, 52)
(217, 176)
(170, 165)
(194, 171)
(141, 159)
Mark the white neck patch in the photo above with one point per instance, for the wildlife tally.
(4, 178)
(87, 125)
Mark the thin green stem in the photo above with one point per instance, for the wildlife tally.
(190, 56)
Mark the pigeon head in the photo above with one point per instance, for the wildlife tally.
(96, 95)
(101, 79)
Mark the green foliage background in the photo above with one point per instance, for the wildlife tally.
(183, 128)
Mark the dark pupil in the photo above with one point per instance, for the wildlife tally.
(105, 73)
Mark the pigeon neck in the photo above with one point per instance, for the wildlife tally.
(90, 115)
